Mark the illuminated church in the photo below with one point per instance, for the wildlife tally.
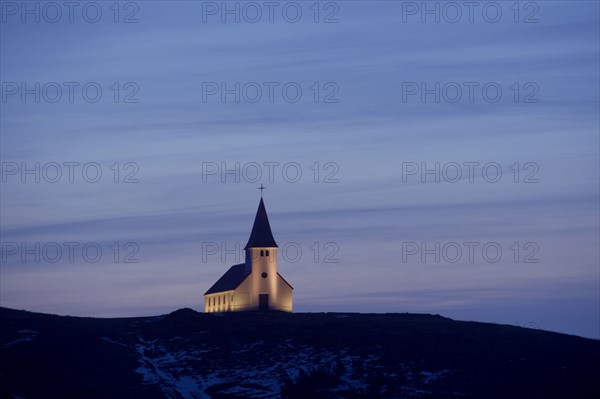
(255, 284)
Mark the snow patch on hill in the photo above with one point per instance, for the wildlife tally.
(186, 374)
(29, 335)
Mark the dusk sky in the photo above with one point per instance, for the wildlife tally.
(408, 142)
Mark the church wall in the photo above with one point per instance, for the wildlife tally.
(219, 302)
(284, 299)
(240, 299)
(263, 283)
(241, 296)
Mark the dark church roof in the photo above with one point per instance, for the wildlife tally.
(261, 235)
(230, 280)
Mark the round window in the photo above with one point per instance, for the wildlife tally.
(264, 275)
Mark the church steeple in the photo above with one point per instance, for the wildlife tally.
(261, 235)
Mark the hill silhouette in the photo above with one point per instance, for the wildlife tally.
(187, 354)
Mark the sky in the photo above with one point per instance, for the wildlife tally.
(426, 157)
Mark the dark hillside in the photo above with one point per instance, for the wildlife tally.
(268, 355)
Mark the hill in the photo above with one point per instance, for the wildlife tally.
(187, 354)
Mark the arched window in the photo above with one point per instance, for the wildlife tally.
(267, 252)
(261, 252)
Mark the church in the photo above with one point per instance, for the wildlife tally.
(254, 284)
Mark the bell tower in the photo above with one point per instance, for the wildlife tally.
(261, 262)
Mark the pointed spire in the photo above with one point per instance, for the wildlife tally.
(261, 235)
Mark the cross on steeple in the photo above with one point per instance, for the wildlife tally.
(261, 188)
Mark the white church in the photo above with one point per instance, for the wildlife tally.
(255, 284)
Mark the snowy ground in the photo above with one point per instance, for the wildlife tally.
(181, 374)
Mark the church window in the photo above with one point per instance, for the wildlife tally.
(261, 252)
(267, 252)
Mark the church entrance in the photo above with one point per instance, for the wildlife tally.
(263, 301)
